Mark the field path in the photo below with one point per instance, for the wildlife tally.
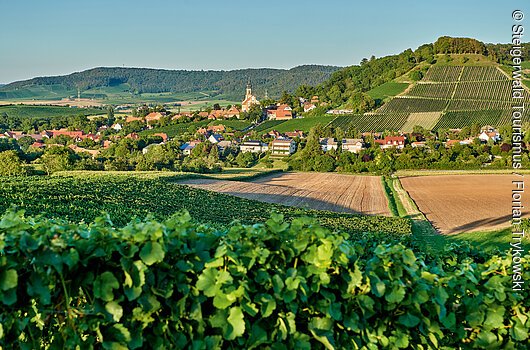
(406, 201)
(464, 203)
(322, 191)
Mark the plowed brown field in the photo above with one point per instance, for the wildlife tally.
(464, 203)
(323, 191)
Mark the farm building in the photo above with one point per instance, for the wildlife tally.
(222, 145)
(418, 144)
(273, 133)
(233, 112)
(216, 128)
(283, 147)
(132, 119)
(163, 135)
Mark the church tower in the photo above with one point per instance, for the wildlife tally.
(249, 89)
(249, 98)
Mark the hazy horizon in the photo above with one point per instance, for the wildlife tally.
(63, 37)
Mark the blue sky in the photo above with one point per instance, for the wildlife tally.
(59, 37)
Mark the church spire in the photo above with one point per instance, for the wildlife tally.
(249, 88)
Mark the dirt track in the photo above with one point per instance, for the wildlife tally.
(324, 191)
(464, 203)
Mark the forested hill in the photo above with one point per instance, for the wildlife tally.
(229, 83)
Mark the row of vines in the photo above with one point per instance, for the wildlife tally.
(280, 284)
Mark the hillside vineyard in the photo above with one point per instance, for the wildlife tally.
(446, 97)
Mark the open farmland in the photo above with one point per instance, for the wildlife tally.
(463, 203)
(333, 192)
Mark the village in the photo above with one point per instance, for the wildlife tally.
(274, 142)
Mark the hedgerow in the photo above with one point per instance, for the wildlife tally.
(177, 284)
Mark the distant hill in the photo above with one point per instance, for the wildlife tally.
(228, 84)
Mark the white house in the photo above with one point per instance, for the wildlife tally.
(189, 146)
(328, 143)
(283, 147)
(352, 145)
(215, 138)
(308, 106)
(148, 147)
(117, 126)
(222, 145)
(418, 144)
(253, 146)
(485, 136)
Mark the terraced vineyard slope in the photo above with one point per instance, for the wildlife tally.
(446, 97)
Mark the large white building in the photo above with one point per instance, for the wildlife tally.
(253, 146)
(283, 147)
(250, 99)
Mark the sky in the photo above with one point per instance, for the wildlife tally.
(55, 37)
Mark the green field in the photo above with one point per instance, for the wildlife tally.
(268, 124)
(25, 111)
(173, 130)
(38, 92)
(387, 90)
(304, 124)
(525, 65)
(426, 120)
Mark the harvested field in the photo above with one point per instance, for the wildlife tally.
(334, 192)
(464, 203)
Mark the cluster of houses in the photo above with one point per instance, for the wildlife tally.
(76, 136)
(282, 144)
(39, 138)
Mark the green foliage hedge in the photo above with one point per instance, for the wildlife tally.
(280, 285)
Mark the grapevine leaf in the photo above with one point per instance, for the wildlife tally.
(103, 286)
(152, 252)
(236, 320)
(519, 332)
(409, 320)
(115, 310)
(8, 279)
(396, 296)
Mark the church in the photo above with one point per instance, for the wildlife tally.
(249, 99)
